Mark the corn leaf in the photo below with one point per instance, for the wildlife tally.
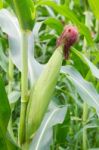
(54, 24)
(4, 107)
(24, 10)
(1, 4)
(5, 113)
(42, 139)
(93, 68)
(3, 59)
(85, 89)
(94, 4)
(9, 25)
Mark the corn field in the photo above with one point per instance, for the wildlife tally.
(49, 74)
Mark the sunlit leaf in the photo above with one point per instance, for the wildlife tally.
(25, 12)
(42, 139)
(1, 4)
(3, 59)
(35, 68)
(94, 4)
(9, 25)
(14, 96)
(85, 89)
(93, 68)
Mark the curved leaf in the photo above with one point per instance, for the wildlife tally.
(3, 59)
(93, 68)
(35, 68)
(9, 25)
(5, 113)
(24, 10)
(94, 4)
(42, 139)
(85, 89)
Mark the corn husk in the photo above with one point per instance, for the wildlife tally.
(41, 93)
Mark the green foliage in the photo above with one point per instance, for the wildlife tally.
(72, 112)
(4, 108)
(94, 4)
(53, 117)
(54, 23)
(65, 11)
(25, 12)
(1, 4)
(86, 90)
(5, 113)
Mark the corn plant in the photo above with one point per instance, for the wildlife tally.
(49, 74)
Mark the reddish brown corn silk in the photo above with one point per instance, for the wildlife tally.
(68, 37)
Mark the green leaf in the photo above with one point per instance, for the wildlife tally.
(13, 97)
(1, 4)
(24, 10)
(93, 68)
(2, 140)
(3, 59)
(85, 89)
(65, 11)
(10, 143)
(10, 26)
(5, 112)
(4, 107)
(93, 149)
(94, 4)
(4, 115)
(78, 63)
(35, 68)
(54, 24)
(6, 143)
(42, 139)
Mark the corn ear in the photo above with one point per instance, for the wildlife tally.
(41, 93)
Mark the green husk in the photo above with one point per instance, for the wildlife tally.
(42, 92)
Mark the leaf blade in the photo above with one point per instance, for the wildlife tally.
(94, 4)
(47, 123)
(4, 107)
(85, 89)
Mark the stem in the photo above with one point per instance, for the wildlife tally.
(24, 88)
